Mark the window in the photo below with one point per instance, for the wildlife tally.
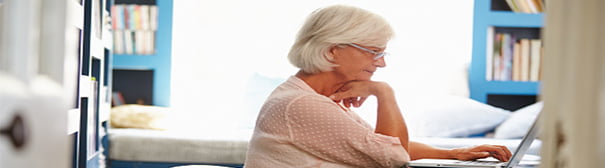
(227, 55)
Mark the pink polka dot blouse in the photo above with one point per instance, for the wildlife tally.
(298, 127)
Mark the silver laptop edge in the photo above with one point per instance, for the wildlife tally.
(528, 139)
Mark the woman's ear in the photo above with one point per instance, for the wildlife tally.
(333, 52)
(330, 57)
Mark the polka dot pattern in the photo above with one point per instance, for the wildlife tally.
(310, 130)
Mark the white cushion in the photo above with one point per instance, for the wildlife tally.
(519, 122)
(452, 116)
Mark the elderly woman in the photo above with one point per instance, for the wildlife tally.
(306, 121)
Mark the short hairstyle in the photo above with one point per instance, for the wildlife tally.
(332, 26)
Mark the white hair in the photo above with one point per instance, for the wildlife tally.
(333, 26)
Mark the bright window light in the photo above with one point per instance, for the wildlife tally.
(229, 54)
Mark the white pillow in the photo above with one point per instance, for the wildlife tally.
(452, 116)
(519, 122)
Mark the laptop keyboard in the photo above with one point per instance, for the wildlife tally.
(481, 163)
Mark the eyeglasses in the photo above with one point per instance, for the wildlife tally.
(377, 56)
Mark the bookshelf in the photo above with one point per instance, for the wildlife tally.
(492, 17)
(157, 63)
(94, 86)
(88, 117)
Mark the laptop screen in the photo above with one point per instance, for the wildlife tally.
(525, 144)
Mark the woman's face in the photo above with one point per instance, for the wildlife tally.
(356, 63)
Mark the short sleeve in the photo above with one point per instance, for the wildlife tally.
(319, 126)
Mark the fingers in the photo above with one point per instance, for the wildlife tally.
(509, 154)
(353, 89)
(348, 98)
(353, 101)
(359, 102)
(497, 151)
(343, 95)
(501, 153)
(353, 93)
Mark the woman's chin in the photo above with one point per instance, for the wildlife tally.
(364, 77)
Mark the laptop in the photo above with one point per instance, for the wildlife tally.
(514, 161)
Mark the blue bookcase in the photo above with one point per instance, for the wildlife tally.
(486, 19)
(159, 62)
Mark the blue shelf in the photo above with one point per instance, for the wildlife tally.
(484, 88)
(484, 19)
(511, 19)
(160, 62)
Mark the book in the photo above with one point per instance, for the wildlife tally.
(526, 6)
(539, 5)
(517, 62)
(153, 17)
(118, 41)
(132, 24)
(508, 43)
(139, 42)
(512, 5)
(126, 17)
(497, 65)
(150, 34)
(523, 6)
(114, 17)
(144, 13)
(532, 6)
(525, 52)
(137, 17)
(119, 22)
(489, 61)
(535, 60)
(129, 47)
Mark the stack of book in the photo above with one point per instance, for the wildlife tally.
(526, 6)
(134, 28)
(515, 59)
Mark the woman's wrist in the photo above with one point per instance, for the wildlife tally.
(452, 153)
(381, 89)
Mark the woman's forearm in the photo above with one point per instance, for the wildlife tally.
(419, 151)
(389, 119)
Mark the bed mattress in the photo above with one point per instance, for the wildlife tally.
(178, 147)
(230, 147)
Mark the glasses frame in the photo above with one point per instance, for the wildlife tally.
(377, 55)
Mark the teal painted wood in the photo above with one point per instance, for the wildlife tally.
(483, 19)
(160, 61)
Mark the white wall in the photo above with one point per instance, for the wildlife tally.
(217, 45)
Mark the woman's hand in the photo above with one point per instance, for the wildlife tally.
(482, 151)
(356, 92)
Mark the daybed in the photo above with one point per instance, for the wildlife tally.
(135, 147)
(140, 148)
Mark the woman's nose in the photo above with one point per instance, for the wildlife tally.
(380, 62)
